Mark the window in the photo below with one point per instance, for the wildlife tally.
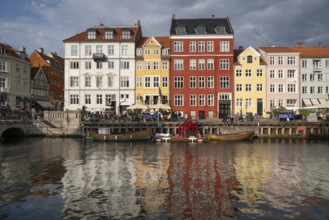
(156, 82)
(192, 100)
(259, 87)
(87, 50)
(238, 102)
(87, 81)
(124, 81)
(272, 74)
(259, 73)
(201, 81)
(304, 77)
(147, 81)
(110, 81)
(192, 46)
(312, 89)
(248, 87)
(108, 99)
(281, 103)
(165, 81)
(110, 50)
(109, 34)
(280, 88)
(165, 65)
(178, 65)
(248, 102)
(147, 51)
(2, 82)
(99, 81)
(87, 99)
(211, 100)
(271, 60)
(248, 73)
(165, 52)
(74, 50)
(304, 63)
(111, 64)
(320, 90)
(156, 52)
(92, 34)
(99, 65)
(74, 99)
(99, 99)
(147, 65)
(192, 82)
(87, 65)
(210, 46)
(224, 82)
(272, 88)
(238, 87)
(224, 46)
(291, 102)
(138, 65)
(139, 52)
(2, 51)
(238, 73)
(99, 48)
(192, 64)
(249, 59)
(178, 46)
(125, 65)
(304, 89)
(201, 46)
(312, 77)
(224, 64)
(178, 82)
(201, 64)
(291, 61)
(280, 74)
(74, 81)
(156, 65)
(210, 64)
(210, 82)
(124, 50)
(18, 68)
(178, 100)
(126, 34)
(280, 60)
(74, 65)
(320, 77)
(291, 74)
(272, 103)
(202, 100)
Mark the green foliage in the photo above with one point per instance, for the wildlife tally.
(304, 112)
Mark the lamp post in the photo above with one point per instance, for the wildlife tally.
(241, 116)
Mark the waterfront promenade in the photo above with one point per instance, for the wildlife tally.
(69, 124)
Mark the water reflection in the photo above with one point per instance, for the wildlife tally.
(67, 178)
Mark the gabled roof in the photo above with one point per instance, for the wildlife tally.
(240, 51)
(163, 41)
(59, 59)
(201, 26)
(313, 52)
(136, 33)
(53, 61)
(37, 70)
(10, 51)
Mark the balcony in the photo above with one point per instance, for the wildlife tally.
(317, 68)
(98, 57)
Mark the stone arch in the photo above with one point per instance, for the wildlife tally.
(13, 132)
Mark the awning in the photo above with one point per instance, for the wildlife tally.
(45, 104)
(315, 102)
(323, 101)
(307, 102)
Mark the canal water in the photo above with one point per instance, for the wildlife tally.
(45, 178)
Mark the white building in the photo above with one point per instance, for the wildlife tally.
(100, 68)
(15, 70)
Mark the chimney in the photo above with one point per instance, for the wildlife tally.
(174, 17)
(23, 50)
(138, 23)
(320, 44)
(212, 16)
(240, 47)
(41, 50)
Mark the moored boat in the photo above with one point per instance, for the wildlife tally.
(104, 134)
(237, 136)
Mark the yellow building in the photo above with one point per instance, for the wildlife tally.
(249, 82)
(152, 70)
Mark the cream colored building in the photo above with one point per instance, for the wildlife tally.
(152, 70)
(250, 82)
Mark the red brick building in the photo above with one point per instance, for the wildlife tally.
(201, 67)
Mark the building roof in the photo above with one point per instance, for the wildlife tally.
(10, 51)
(164, 41)
(274, 49)
(136, 33)
(53, 61)
(241, 50)
(312, 52)
(201, 26)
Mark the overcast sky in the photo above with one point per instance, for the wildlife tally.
(46, 23)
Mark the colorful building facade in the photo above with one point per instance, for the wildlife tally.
(249, 82)
(152, 70)
(201, 67)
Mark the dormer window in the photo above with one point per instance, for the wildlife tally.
(181, 29)
(221, 29)
(201, 29)
(249, 59)
(2, 51)
(91, 34)
(126, 34)
(109, 34)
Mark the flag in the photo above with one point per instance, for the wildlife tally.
(160, 94)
